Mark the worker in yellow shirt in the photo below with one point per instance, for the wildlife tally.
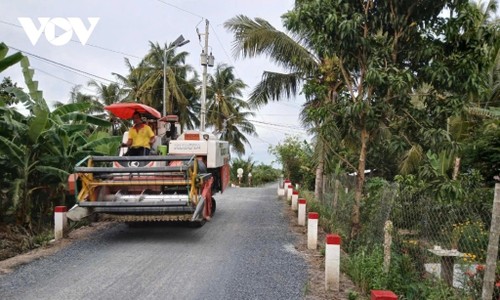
(140, 137)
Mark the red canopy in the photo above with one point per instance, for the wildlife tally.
(126, 110)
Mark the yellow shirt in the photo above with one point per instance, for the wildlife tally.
(141, 137)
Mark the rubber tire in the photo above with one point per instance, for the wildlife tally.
(197, 224)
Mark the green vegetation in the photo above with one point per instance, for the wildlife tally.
(261, 174)
(402, 103)
(38, 149)
(402, 99)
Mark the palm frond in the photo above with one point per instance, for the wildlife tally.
(258, 37)
(492, 113)
(411, 159)
(274, 87)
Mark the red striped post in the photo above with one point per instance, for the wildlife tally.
(383, 295)
(312, 230)
(281, 187)
(60, 222)
(332, 262)
(302, 212)
(295, 197)
(285, 188)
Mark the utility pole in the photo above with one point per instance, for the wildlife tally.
(206, 61)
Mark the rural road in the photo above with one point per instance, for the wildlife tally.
(245, 252)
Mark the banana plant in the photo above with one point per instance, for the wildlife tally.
(38, 150)
(7, 61)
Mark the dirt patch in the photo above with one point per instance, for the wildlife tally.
(316, 263)
(8, 265)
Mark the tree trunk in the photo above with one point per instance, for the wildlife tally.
(360, 181)
(318, 184)
(456, 168)
(336, 194)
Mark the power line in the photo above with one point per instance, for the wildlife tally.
(290, 126)
(75, 70)
(87, 44)
(279, 128)
(72, 83)
(186, 11)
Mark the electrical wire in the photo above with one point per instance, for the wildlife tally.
(186, 11)
(87, 44)
(69, 68)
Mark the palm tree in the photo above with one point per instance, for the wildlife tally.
(258, 37)
(108, 94)
(93, 106)
(132, 82)
(226, 110)
(178, 84)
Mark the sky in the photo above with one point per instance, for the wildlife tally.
(124, 29)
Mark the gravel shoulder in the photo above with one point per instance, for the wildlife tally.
(10, 264)
(315, 261)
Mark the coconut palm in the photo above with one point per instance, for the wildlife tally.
(132, 82)
(226, 111)
(303, 66)
(108, 94)
(76, 96)
(178, 84)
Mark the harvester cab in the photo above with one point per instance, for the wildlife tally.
(175, 182)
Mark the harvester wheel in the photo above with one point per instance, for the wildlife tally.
(197, 224)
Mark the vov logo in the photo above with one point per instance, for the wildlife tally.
(67, 25)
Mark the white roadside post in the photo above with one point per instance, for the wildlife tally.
(60, 222)
(289, 192)
(240, 175)
(332, 262)
(285, 187)
(281, 183)
(312, 230)
(295, 198)
(302, 212)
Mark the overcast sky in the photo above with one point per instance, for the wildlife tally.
(125, 28)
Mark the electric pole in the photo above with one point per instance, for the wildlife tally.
(204, 84)
(206, 61)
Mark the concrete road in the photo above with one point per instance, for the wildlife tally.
(245, 252)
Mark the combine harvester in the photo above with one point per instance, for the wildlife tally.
(174, 183)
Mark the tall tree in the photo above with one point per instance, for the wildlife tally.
(226, 111)
(132, 82)
(178, 83)
(385, 50)
(107, 94)
(303, 65)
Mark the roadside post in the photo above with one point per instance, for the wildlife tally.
(312, 230)
(60, 222)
